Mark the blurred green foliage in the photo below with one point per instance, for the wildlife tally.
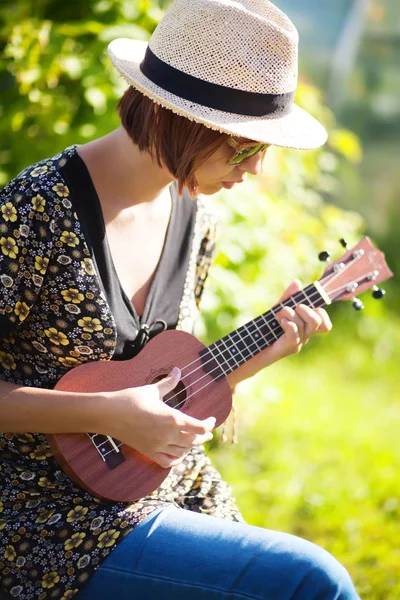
(318, 453)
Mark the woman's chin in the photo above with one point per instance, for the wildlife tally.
(212, 188)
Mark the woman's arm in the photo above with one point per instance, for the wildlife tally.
(39, 410)
(135, 416)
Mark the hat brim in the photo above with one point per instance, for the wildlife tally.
(298, 129)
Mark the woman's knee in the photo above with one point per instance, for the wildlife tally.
(323, 576)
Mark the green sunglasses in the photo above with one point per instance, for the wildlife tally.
(243, 150)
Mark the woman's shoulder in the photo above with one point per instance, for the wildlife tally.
(37, 186)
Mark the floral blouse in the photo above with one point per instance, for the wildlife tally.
(54, 315)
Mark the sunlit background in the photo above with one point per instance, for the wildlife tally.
(318, 452)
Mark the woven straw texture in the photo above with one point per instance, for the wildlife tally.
(248, 45)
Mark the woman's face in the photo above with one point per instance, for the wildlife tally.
(215, 173)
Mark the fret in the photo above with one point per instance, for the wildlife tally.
(307, 296)
(236, 348)
(272, 324)
(238, 338)
(108, 449)
(211, 362)
(230, 354)
(256, 334)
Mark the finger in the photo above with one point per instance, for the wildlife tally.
(290, 315)
(312, 320)
(294, 287)
(166, 460)
(192, 425)
(176, 451)
(326, 324)
(169, 382)
(189, 440)
(292, 333)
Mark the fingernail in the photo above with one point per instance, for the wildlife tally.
(175, 372)
(284, 321)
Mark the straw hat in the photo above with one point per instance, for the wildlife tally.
(229, 64)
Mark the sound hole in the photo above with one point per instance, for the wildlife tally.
(177, 397)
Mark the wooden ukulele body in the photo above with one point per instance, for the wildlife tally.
(135, 475)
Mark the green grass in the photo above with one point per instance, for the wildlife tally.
(319, 451)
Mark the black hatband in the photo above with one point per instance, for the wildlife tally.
(216, 96)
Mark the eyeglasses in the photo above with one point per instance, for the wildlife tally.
(243, 150)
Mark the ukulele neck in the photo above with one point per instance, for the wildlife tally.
(233, 350)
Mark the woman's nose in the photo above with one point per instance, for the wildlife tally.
(253, 164)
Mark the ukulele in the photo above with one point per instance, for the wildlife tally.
(111, 470)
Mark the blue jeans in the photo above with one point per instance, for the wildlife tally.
(180, 555)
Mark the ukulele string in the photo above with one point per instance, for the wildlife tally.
(265, 342)
(261, 320)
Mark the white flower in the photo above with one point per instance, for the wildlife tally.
(72, 308)
(27, 475)
(39, 346)
(54, 519)
(16, 590)
(84, 350)
(83, 561)
(37, 280)
(64, 260)
(6, 281)
(24, 230)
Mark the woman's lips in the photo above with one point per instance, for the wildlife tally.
(229, 184)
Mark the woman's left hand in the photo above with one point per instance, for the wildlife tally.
(299, 325)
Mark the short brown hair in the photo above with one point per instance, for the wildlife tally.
(173, 141)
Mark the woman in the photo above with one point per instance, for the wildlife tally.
(102, 247)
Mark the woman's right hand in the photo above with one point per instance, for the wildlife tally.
(143, 421)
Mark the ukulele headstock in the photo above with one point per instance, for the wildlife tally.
(360, 268)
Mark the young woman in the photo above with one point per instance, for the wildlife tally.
(103, 246)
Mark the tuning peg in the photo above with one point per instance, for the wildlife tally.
(343, 242)
(357, 304)
(377, 293)
(324, 256)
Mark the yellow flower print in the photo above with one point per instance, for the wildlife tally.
(72, 295)
(9, 212)
(69, 238)
(21, 309)
(10, 553)
(108, 538)
(68, 361)
(56, 337)
(1, 506)
(75, 541)
(50, 579)
(61, 190)
(38, 203)
(45, 515)
(9, 247)
(69, 594)
(44, 482)
(41, 264)
(40, 453)
(90, 324)
(7, 360)
(39, 171)
(77, 514)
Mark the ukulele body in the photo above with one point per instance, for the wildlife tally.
(127, 475)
